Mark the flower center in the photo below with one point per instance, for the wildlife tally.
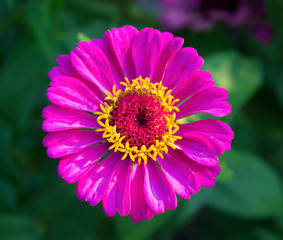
(138, 121)
(140, 118)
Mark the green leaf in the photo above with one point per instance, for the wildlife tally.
(274, 77)
(21, 86)
(82, 37)
(86, 32)
(274, 9)
(241, 76)
(226, 173)
(129, 230)
(8, 197)
(14, 227)
(187, 208)
(279, 223)
(207, 42)
(265, 234)
(167, 222)
(253, 192)
(8, 167)
(40, 17)
(66, 216)
(101, 9)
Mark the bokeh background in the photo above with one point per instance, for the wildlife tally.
(245, 56)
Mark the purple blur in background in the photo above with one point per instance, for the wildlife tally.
(201, 15)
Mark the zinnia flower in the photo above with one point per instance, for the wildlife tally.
(115, 122)
(200, 15)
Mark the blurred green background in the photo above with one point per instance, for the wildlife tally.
(246, 202)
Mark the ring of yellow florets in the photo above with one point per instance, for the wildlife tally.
(139, 87)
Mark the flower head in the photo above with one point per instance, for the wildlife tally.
(115, 122)
(200, 15)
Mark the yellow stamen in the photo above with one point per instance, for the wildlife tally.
(111, 132)
(117, 142)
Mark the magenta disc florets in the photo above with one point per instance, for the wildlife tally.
(140, 118)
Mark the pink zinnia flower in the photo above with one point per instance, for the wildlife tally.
(115, 122)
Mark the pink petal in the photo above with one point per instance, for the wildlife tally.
(91, 63)
(65, 68)
(197, 82)
(72, 167)
(184, 64)
(204, 139)
(62, 143)
(139, 207)
(170, 46)
(117, 195)
(195, 174)
(61, 118)
(158, 191)
(145, 51)
(72, 93)
(107, 45)
(199, 148)
(213, 128)
(212, 100)
(205, 174)
(183, 181)
(122, 40)
(92, 186)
